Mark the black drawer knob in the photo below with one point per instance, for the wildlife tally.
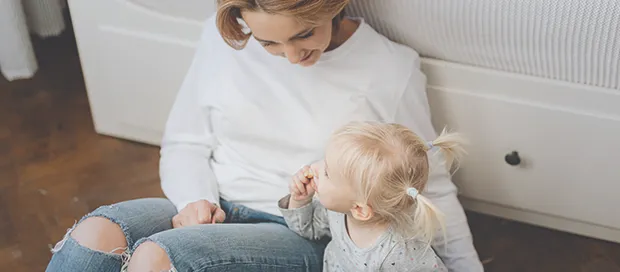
(513, 158)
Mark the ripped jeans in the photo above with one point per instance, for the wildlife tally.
(248, 240)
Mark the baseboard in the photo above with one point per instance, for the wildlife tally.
(129, 133)
(542, 220)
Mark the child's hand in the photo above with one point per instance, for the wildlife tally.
(301, 185)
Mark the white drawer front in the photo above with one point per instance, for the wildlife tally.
(569, 152)
(134, 55)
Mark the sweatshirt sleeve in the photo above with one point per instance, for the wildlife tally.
(414, 113)
(310, 221)
(187, 144)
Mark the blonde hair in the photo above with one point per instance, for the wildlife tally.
(308, 12)
(385, 161)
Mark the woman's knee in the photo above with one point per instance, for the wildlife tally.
(101, 234)
(149, 256)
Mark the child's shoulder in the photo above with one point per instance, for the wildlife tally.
(413, 255)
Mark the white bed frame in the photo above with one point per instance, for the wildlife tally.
(567, 135)
(134, 58)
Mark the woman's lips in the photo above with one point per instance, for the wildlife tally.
(307, 57)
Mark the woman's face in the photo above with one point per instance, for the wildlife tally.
(286, 37)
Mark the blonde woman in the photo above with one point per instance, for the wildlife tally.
(369, 201)
(270, 81)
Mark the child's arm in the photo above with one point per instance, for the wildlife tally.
(309, 221)
(303, 215)
(413, 256)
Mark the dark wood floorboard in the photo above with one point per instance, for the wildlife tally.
(54, 168)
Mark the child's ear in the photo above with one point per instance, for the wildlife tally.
(361, 212)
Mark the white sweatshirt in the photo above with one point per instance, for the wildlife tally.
(245, 121)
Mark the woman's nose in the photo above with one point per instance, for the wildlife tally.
(292, 53)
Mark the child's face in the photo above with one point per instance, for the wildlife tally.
(335, 194)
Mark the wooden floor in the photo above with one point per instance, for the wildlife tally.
(54, 168)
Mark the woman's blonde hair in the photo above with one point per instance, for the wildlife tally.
(390, 165)
(308, 12)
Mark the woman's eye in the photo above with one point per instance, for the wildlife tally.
(265, 44)
(326, 173)
(307, 35)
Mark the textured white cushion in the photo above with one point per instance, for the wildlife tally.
(570, 40)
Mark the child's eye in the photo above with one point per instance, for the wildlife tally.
(266, 44)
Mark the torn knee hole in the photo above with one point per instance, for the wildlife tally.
(150, 255)
(125, 258)
(62, 241)
(123, 250)
(96, 233)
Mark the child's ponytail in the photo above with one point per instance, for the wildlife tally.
(428, 219)
(451, 145)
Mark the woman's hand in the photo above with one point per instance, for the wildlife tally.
(301, 188)
(197, 213)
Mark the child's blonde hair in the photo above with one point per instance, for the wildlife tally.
(390, 165)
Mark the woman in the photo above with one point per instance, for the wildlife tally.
(242, 123)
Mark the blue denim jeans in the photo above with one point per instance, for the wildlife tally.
(248, 241)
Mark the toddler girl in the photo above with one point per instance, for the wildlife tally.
(369, 200)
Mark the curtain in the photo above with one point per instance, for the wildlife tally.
(18, 20)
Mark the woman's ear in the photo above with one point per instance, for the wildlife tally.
(362, 212)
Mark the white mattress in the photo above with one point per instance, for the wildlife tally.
(571, 40)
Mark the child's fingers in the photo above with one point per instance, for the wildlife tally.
(309, 173)
(300, 177)
(303, 169)
(304, 175)
(293, 188)
(308, 176)
(313, 185)
(300, 185)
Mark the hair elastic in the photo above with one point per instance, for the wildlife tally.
(413, 192)
(430, 145)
